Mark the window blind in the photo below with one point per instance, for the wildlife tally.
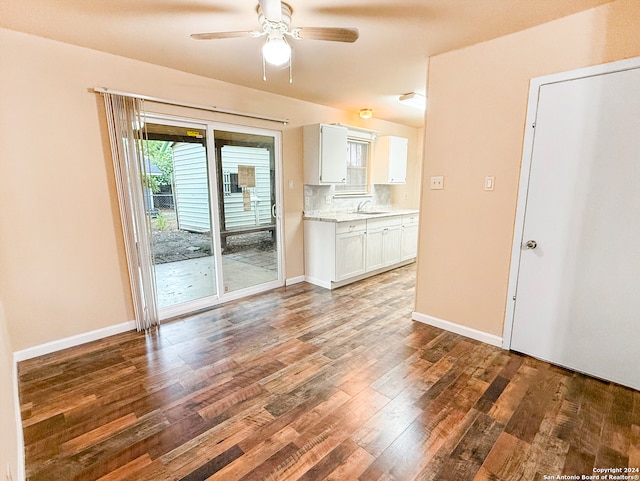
(125, 118)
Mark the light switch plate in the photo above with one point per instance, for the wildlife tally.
(489, 182)
(437, 182)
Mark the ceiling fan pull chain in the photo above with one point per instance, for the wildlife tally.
(290, 71)
(264, 69)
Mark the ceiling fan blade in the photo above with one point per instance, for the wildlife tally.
(271, 9)
(216, 35)
(349, 35)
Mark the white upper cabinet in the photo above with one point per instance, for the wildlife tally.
(390, 160)
(325, 154)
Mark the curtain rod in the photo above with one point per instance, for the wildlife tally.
(158, 100)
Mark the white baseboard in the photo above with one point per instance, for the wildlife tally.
(294, 280)
(458, 329)
(72, 341)
(318, 282)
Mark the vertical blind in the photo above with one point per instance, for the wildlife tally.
(125, 118)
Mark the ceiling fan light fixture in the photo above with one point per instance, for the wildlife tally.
(415, 100)
(366, 113)
(276, 51)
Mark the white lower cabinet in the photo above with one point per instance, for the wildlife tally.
(337, 253)
(374, 250)
(409, 237)
(383, 242)
(350, 251)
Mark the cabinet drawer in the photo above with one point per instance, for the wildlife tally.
(353, 226)
(384, 222)
(410, 219)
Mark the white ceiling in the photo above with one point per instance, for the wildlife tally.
(388, 60)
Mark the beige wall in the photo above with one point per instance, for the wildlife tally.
(8, 428)
(474, 128)
(61, 251)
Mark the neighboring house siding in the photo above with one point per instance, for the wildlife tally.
(191, 187)
(237, 218)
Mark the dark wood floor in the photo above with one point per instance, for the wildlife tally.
(304, 383)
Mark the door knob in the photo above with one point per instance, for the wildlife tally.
(530, 244)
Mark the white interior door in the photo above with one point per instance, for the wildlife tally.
(577, 297)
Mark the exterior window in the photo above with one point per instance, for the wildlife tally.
(357, 168)
(230, 183)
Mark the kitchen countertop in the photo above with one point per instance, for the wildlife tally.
(334, 216)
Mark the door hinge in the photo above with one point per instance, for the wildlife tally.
(514, 298)
(533, 125)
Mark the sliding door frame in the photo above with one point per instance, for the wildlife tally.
(210, 127)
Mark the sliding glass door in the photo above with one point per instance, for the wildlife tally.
(211, 195)
(178, 202)
(246, 169)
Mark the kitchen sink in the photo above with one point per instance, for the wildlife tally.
(373, 212)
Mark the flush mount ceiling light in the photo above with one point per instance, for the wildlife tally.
(274, 17)
(366, 113)
(415, 100)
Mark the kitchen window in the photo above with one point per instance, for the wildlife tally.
(357, 168)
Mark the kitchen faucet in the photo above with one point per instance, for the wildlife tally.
(361, 205)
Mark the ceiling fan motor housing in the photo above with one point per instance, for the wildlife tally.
(284, 21)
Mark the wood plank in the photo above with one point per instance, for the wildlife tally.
(128, 470)
(352, 467)
(216, 464)
(506, 460)
(527, 418)
(256, 456)
(578, 462)
(506, 404)
(386, 425)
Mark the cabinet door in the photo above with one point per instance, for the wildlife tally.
(350, 255)
(391, 246)
(398, 148)
(333, 154)
(375, 258)
(409, 241)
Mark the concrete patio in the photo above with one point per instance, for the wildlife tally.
(191, 279)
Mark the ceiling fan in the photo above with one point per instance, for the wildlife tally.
(274, 17)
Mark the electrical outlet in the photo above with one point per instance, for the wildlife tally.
(307, 202)
(9, 477)
(328, 200)
(437, 182)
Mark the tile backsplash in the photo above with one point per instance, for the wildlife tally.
(315, 198)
